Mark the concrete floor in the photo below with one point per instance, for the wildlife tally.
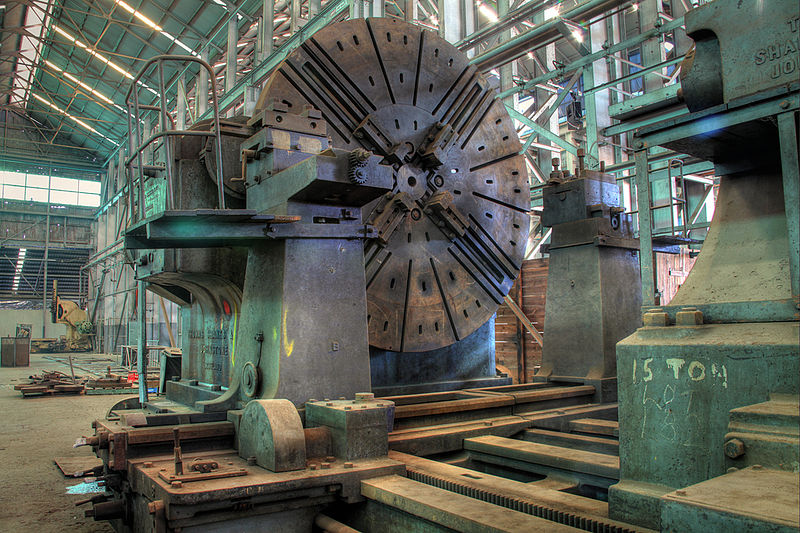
(32, 432)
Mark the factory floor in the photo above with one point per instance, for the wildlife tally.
(33, 431)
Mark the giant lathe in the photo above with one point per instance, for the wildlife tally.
(338, 257)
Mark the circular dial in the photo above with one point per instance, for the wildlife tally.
(454, 228)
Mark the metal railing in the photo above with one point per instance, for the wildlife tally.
(134, 164)
(676, 204)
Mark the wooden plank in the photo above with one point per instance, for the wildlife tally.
(77, 466)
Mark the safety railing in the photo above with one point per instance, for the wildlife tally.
(677, 203)
(134, 163)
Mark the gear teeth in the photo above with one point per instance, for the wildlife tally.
(357, 161)
(517, 504)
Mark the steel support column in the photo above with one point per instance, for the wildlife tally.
(266, 30)
(652, 50)
(597, 103)
(645, 228)
(366, 8)
(180, 105)
(201, 88)
(456, 19)
(230, 56)
(141, 341)
(787, 128)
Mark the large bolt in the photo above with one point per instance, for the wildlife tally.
(734, 448)
(655, 318)
(689, 316)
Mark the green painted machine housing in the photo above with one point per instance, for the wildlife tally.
(731, 336)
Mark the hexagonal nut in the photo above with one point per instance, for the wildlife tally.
(689, 316)
(734, 448)
(655, 319)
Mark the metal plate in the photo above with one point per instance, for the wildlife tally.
(396, 90)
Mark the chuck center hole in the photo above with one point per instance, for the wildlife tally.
(412, 181)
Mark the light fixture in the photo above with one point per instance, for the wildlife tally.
(72, 117)
(487, 12)
(100, 57)
(153, 26)
(73, 79)
(18, 268)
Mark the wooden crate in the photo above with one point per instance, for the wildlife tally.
(15, 351)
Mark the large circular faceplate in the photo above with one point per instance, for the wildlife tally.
(455, 227)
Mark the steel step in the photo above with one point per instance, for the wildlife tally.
(531, 498)
(571, 440)
(451, 510)
(556, 457)
(595, 426)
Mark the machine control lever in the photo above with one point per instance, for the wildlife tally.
(176, 434)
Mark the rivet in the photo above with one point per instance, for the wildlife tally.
(325, 465)
(348, 465)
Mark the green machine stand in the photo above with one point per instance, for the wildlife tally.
(731, 337)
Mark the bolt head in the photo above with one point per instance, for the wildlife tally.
(655, 318)
(734, 448)
(689, 316)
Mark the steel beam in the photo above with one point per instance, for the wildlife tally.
(787, 128)
(645, 228)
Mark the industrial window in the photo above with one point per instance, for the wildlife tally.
(42, 188)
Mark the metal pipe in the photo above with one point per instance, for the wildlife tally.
(591, 58)
(156, 136)
(167, 152)
(326, 523)
(215, 103)
(46, 254)
(138, 142)
(141, 342)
